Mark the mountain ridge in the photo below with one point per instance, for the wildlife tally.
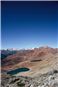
(36, 54)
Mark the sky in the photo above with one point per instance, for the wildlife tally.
(29, 24)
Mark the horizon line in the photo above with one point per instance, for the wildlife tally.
(26, 48)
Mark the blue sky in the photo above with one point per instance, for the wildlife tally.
(29, 24)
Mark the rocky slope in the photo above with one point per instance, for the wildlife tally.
(36, 54)
(43, 65)
(49, 79)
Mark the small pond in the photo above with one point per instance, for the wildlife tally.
(12, 72)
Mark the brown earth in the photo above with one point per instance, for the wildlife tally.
(38, 60)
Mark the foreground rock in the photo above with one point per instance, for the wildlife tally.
(49, 79)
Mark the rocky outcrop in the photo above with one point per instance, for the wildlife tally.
(49, 79)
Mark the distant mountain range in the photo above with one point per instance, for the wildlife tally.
(14, 57)
(5, 53)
